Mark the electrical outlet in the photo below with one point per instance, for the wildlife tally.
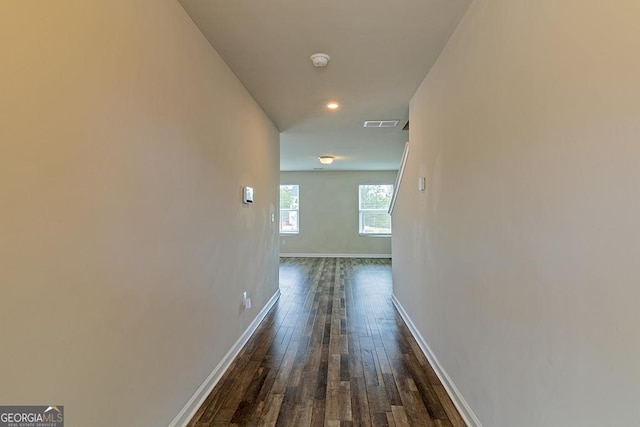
(422, 183)
(246, 301)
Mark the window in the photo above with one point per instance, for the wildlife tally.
(374, 203)
(289, 209)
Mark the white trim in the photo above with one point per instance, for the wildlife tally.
(191, 407)
(396, 187)
(303, 255)
(463, 407)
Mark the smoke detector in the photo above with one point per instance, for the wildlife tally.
(320, 59)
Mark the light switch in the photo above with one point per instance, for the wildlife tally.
(247, 195)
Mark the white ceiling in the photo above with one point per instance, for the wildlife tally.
(380, 52)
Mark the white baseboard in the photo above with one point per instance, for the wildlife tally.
(463, 407)
(191, 407)
(300, 255)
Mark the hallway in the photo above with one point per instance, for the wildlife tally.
(333, 351)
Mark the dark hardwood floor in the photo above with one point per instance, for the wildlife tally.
(332, 352)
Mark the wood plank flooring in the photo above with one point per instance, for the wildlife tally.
(332, 352)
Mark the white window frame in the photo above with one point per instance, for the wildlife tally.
(297, 211)
(361, 211)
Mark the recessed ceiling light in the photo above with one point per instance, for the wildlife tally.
(333, 105)
(326, 160)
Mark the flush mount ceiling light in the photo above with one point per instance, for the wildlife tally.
(333, 105)
(320, 59)
(326, 160)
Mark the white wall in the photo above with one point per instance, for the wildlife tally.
(329, 213)
(124, 247)
(519, 265)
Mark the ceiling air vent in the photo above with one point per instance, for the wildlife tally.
(381, 123)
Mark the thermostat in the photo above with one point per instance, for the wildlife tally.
(247, 195)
